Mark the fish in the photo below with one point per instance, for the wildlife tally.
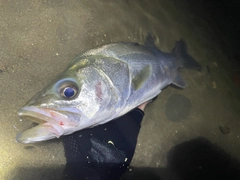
(102, 84)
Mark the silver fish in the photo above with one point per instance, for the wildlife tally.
(102, 84)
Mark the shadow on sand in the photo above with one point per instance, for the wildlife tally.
(197, 159)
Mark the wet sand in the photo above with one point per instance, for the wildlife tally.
(39, 38)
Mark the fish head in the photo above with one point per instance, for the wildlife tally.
(54, 108)
(66, 105)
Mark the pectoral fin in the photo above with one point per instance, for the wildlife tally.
(141, 78)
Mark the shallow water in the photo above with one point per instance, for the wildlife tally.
(39, 38)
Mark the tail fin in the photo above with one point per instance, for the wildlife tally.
(183, 58)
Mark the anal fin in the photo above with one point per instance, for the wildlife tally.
(178, 81)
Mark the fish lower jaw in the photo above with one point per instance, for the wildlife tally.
(46, 128)
(41, 132)
(51, 124)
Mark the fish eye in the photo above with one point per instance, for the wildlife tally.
(68, 91)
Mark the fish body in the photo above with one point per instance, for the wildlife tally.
(102, 84)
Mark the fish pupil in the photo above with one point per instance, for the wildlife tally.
(69, 92)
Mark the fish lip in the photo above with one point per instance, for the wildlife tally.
(51, 123)
(40, 115)
(49, 115)
(29, 137)
(31, 111)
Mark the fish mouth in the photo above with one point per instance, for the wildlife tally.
(51, 123)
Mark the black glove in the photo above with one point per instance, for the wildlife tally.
(103, 152)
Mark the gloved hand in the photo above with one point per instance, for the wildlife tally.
(103, 152)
